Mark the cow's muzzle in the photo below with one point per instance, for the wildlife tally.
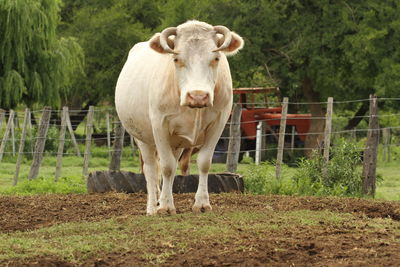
(198, 99)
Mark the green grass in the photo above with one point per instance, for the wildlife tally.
(71, 173)
(389, 188)
(170, 235)
(72, 180)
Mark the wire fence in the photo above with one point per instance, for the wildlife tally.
(64, 133)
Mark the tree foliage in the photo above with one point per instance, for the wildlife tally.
(337, 46)
(106, 30)
(311, 49)
(35, 65)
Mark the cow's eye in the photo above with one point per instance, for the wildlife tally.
(217, 59)
(175, 60)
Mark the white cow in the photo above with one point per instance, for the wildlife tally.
(175, 92)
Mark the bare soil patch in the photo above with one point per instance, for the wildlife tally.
(351, 243)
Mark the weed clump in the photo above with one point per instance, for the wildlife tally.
(261, 180)
(341, 178)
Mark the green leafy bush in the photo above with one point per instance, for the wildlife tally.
(343, 174)
(261, 180)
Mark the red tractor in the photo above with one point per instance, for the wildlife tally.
(259, 109)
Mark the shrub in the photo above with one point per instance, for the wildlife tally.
(261, 180)
(343, 175)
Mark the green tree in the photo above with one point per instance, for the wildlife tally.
(35, 65)
(311, 49)
(106, 30)
(317, 48)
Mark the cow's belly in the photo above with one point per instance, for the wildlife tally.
(138, 127)
(132, 93)
(134, 115)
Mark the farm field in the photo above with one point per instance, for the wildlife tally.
(74, 228)
(387, 189)
(111, 229)
(313, 132)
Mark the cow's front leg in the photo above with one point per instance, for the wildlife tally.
(168, 169)
(168, 164)
(202, 200)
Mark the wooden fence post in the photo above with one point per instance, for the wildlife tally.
(2, 116)
(71, 133)
(292, 139)
(234, 140)
(61, 142)
(116, 153)
(386, 136)
(263, 150)
(39, 144)
(21, 146)
(13, 134)
(108, 133)
(371, 149)
(389, 143)
(281, 142)
(29, 132)
(16, 123)
(327, 134)
(6, 133)
(88, 140)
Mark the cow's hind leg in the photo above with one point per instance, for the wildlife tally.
(151, 172)
(184, 161)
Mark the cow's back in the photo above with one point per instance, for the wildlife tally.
(143, 70)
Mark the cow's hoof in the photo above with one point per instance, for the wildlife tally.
(166, 211)
(201, 208)
(151, 212)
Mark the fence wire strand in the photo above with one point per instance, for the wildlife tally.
(103, 138)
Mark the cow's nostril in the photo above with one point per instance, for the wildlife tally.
(197, 96)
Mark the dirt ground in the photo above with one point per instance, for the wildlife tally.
(325, 245)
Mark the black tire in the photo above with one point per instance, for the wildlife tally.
(129, 182)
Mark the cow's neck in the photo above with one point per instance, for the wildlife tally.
(187, 127)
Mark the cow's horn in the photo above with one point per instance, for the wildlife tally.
(227, 35)
(164, 37)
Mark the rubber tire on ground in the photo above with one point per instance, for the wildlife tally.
(129, 182)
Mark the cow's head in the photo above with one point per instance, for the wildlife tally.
(195, 48)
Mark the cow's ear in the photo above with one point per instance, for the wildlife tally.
(236, 44)
(155, 43)
(156, 46)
